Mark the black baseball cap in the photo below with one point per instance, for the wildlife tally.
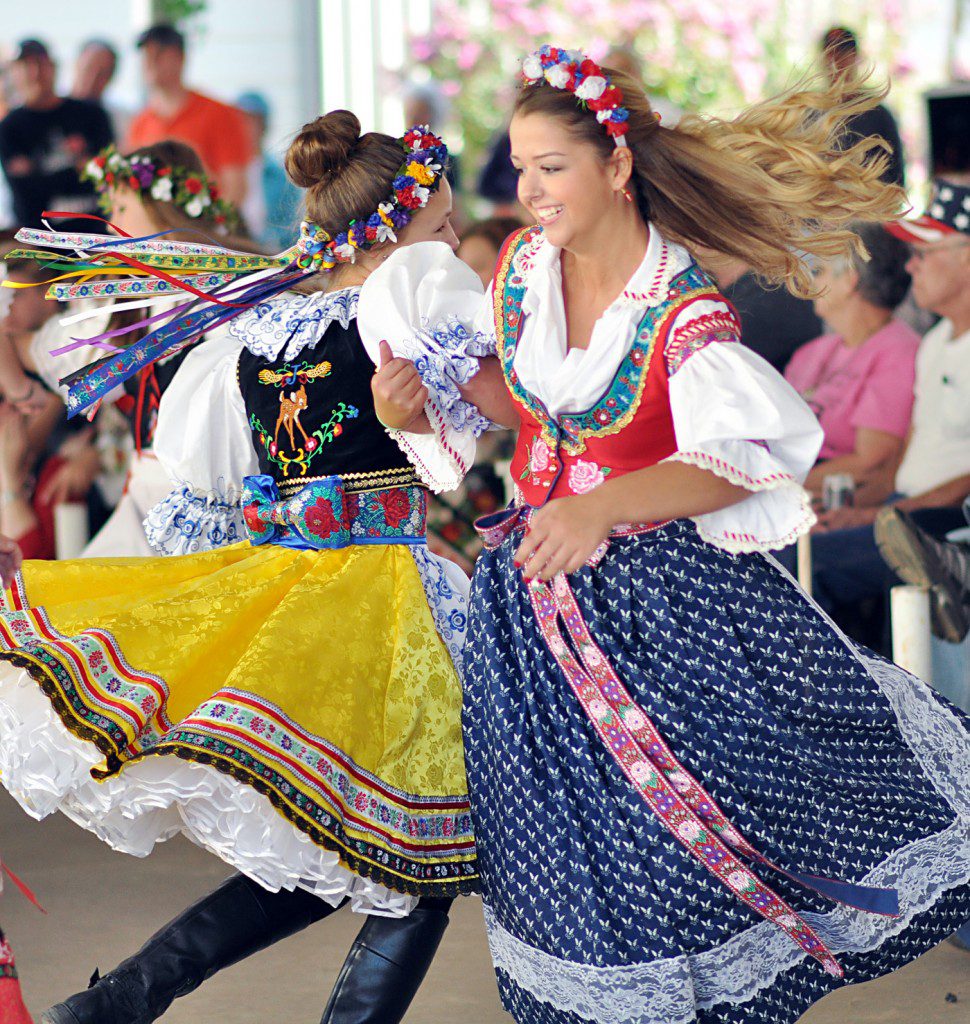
(31, 49)
(162, 34)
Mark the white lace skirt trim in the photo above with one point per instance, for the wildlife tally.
(672, 990)
(46, 768)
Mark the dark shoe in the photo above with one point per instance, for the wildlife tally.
(232, 922)
(386, 965)
(920, 559)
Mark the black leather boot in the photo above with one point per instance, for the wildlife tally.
(237, 919)
(386, 965)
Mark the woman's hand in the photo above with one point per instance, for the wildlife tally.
(845, 519)
(10, 560)
(562, 535)
(399, 394)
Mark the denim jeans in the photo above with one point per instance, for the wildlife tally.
(846, 565)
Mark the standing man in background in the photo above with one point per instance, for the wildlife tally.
(216, 131)
(45, 142)
(840, 53)
(94, 70)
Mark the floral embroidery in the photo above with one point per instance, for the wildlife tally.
(287, 324)
(697, 334)
(320, 520)
(293, 381)
(253, 521)
(586, 476)
(619, 404)
(395, 505)
(323, 515)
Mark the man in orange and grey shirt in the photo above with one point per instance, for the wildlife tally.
(217, 132)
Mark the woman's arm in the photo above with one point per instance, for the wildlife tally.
(874, 450)
(488, 392)
(565, 532)
(17, 387)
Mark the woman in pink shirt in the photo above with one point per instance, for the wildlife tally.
(859, 379)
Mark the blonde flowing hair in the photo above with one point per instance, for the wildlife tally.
(780, 181)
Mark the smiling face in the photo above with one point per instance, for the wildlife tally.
(564, 182)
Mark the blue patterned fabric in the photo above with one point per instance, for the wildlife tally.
(829, 760)
(187, 522)
(287, 324)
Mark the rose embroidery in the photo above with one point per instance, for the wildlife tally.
(539, 456)
(320, 520)
(586, 476)
(395, 506)
(253, 521)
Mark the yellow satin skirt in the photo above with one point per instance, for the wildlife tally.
(316, 678)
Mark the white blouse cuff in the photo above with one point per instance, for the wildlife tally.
(776, 514)
(441, 458)
(189, 521)
(446, 355)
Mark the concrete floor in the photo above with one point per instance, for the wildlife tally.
(102, 905)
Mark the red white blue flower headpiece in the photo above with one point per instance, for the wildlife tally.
(573, 71)
(417, 179)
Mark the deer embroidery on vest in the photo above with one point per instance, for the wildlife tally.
(294, 403)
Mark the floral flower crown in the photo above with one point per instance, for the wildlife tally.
(573, 71)
(192, 192)
(417, 179)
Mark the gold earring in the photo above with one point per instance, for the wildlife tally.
(627, 195)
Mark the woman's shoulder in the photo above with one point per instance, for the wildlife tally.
(896, 337)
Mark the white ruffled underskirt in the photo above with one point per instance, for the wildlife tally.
(46, 768)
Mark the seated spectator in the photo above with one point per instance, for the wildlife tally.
(840, 54)
(216, 131)
(33, 483)
(45, 142)
(774, 323)
(933, 478)
(858, 379)
(480, 244)
(942, 566)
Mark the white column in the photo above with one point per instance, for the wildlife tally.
(912, 639)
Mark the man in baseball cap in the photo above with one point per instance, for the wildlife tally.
(947, 217)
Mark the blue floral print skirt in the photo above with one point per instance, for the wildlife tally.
(827, 759)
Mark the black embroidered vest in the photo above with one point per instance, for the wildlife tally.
(313, 416)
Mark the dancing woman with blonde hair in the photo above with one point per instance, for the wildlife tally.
(694, 799)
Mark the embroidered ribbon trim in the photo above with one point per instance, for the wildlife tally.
(323, 516)
(614, 720)
(678, 800)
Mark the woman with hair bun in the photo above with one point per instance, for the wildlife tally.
(290, 702)
(694, 799)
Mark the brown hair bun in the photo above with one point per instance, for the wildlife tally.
(322, 148)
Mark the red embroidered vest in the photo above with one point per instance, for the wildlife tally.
(628, 428)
